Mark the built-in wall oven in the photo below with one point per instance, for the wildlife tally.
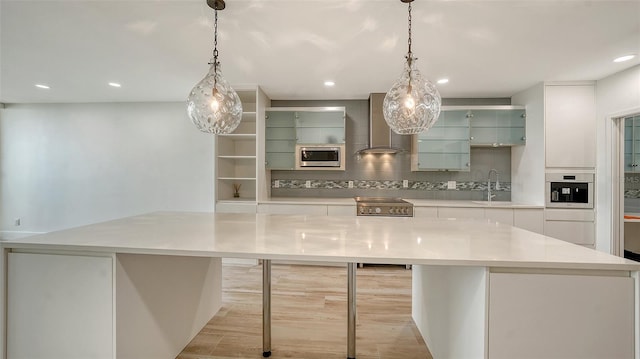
(328, 157)
(574, 190)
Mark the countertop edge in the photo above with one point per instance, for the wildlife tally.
(40, 248)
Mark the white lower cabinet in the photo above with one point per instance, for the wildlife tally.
(571, 225)
(506, 313)
(106, 306)
(575, 316)
(429, 212)
(460, 212)
(55, 300)
(315, 209)
(531, 219)
(500, 215)
(335, 210)
(236, 207)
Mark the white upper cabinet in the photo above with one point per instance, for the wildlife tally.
(570, 126)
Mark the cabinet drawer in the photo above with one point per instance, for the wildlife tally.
(571, 231)
(580, 215)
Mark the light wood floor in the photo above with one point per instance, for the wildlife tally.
(309, 315)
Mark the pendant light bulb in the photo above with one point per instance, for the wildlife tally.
(412, 105)
(409, 102)
(213, 106)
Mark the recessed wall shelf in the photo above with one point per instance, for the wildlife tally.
(237, 155)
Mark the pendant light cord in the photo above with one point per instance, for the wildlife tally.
(215, 50)
(409, 54)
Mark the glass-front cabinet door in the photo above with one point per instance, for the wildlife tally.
(288, 126)
(632, 144)
(280, 140)
(498, 127)
(445, 146)
(320, 126)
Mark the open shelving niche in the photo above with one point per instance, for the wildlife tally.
(237, 156)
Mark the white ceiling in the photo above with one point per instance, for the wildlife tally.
(158, 50)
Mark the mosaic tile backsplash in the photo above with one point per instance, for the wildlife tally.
(470, 190)
(396, 185)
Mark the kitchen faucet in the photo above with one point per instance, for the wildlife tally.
(489, 195)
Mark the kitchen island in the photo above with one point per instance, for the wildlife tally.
(143, 286)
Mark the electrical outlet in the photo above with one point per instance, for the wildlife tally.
(405, 183)
(17, 222)
(350, 184)
(276, 184)
(308, 184)
(451, 185)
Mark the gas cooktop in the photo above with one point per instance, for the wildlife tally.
(383, 206)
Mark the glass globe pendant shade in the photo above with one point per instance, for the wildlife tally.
(412, 105)
(214, 110)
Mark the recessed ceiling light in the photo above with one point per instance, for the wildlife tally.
(329, 83)
(40, 86)
(114, 84)
(624, 58)
(443, 81)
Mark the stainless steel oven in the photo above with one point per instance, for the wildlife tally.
(328, 157)
(574, 190)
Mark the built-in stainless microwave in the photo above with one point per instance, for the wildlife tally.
(569, 190)
(327, 157)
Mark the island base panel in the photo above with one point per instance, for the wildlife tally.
(59, 306)
(162, 302)
(574, 316)
(448, 308)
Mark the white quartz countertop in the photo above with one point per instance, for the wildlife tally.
(390, 240)
(416, 202)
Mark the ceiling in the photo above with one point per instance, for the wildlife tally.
(158, 50)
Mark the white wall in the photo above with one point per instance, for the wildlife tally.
(616, 94)
(64, 165)
(527, 162)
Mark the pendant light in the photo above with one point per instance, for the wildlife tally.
(413, 103)
(213, 106)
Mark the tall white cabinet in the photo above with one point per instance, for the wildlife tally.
(561, 138)
(570, 125)
(239, 160)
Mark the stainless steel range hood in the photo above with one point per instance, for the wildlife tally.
(379, 131)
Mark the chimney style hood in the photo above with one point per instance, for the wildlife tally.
(379, 131)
